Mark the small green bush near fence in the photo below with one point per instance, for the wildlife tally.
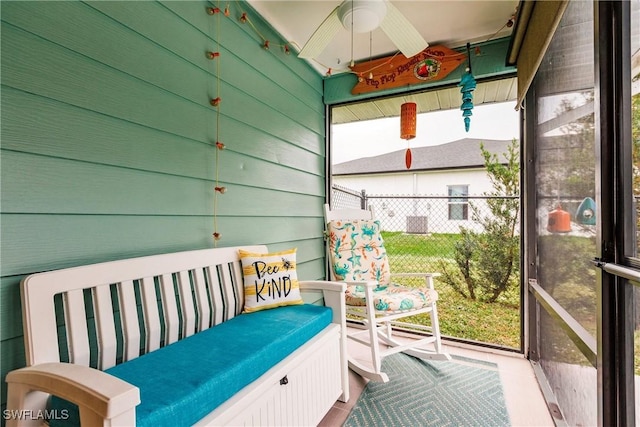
(495, 323)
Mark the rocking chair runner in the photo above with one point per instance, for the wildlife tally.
(357, 256)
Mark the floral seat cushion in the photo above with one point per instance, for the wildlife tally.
(392, 297)
(358, 254)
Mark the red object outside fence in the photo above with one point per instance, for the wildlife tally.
(559, 220)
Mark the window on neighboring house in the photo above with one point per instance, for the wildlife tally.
(458, 202)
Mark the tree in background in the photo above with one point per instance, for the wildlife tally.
(488, 261)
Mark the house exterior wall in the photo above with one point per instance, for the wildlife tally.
(396, 215)
(417, 183)
(108, 140)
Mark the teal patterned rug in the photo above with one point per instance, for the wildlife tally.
(462, 392)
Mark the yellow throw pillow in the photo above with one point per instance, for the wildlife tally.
(270, 280)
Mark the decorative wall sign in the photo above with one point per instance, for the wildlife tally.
(432, 64)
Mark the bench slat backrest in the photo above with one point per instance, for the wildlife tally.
(128, 319)
(77, 334)
(103, 311)
(116, 311)
(202, 298)
(170, 308)
(218, 315)
(152, 315)
(186, 304)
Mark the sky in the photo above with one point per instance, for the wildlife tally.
(374, 137)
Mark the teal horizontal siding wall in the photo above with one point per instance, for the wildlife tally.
(108, 140)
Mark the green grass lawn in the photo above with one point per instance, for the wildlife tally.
(494, 323)
(422, 245)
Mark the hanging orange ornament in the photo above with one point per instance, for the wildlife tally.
(408, 120)
(408, 127)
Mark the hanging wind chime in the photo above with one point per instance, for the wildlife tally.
(468, 83)
(408, 127)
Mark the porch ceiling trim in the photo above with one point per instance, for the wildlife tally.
(487, 92)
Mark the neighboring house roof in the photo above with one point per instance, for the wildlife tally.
(464, 153)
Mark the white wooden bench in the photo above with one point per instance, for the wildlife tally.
(161, 299)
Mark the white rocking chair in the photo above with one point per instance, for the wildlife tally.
(357, 256)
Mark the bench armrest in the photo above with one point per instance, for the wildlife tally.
(99, 396)
(332, 294)
(322, 285)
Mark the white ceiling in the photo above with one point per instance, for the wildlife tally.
(452, 23)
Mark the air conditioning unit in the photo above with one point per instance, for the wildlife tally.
(417, 225)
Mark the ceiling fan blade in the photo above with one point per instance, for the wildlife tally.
(402, 33)
(321, 36)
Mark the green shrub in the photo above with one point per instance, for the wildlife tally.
(488, 261)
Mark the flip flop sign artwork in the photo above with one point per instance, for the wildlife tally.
(432, 64)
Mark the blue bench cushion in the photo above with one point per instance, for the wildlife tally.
(183, 382)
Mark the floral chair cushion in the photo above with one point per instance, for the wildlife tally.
(392, 297)
(357, 251)
(357, 254)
